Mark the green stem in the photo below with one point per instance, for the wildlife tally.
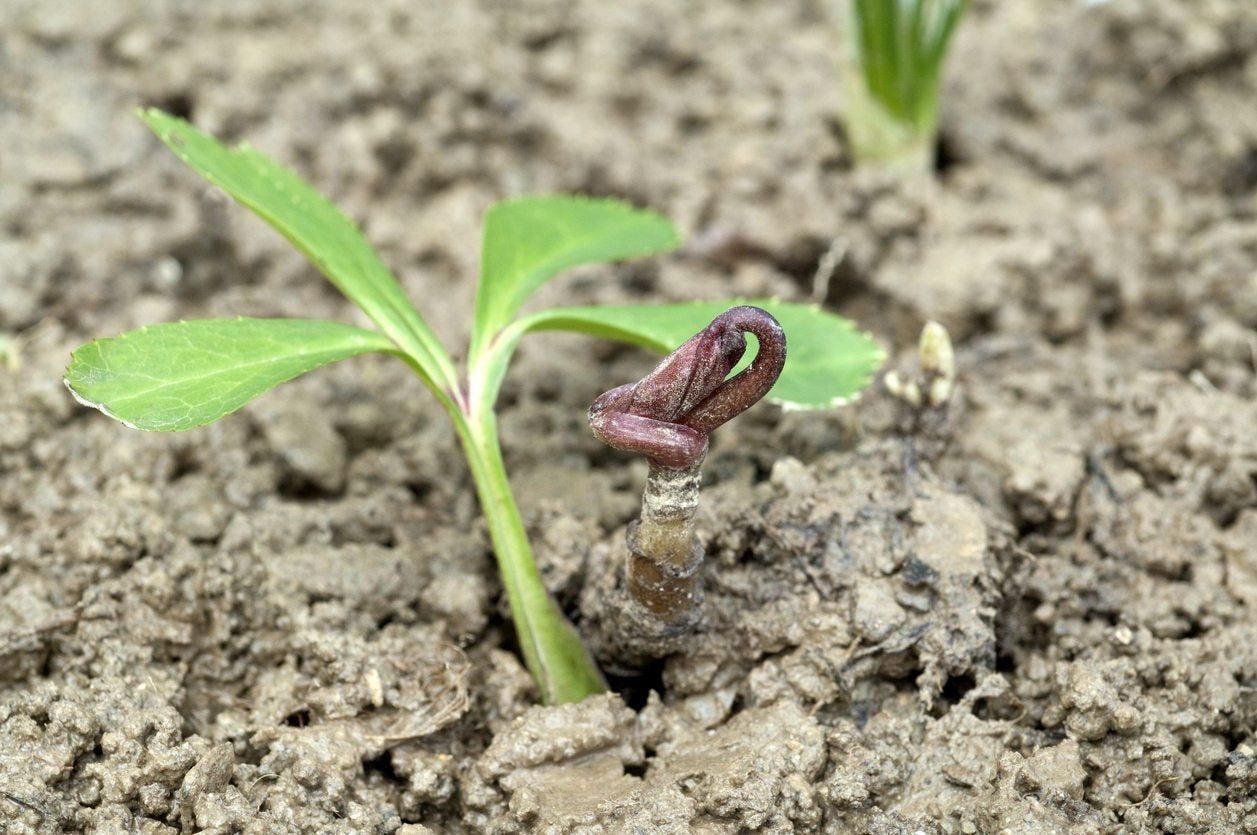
(879, 139)
(552, 650)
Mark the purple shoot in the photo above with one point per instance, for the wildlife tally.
(669, 413)
(668, 416)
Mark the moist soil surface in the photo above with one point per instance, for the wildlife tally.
(1032, 613)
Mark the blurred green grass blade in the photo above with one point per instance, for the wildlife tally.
(901, 45)
(939, 38)
(528, 241)
(875, 31)
(913, 36)
(828, 361)
(317, 228)
(176, 376)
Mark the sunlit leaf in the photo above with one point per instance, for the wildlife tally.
(316, 227)
(530, 240)
(180, 375)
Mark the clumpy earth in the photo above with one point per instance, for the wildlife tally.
(1036, 619)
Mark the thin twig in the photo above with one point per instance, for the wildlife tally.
(1152, 790)
(825, 269)
(31, 805)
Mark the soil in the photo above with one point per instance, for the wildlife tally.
(1036, 617)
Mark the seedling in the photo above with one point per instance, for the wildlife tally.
(925, 414)
(937, 381)
(897, 51)
(182, 375)
(667, 417)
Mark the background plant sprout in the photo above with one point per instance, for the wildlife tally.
(898, 48)
(178, 376)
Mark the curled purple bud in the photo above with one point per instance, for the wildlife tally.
(669, 413)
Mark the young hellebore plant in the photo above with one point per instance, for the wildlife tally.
(178, 376)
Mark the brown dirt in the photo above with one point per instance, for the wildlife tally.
(1040, 621)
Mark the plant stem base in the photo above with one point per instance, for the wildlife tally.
(664, 554)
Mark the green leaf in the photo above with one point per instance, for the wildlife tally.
(166, 378)
(316, 227)
(530, 240)
(828, 361)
